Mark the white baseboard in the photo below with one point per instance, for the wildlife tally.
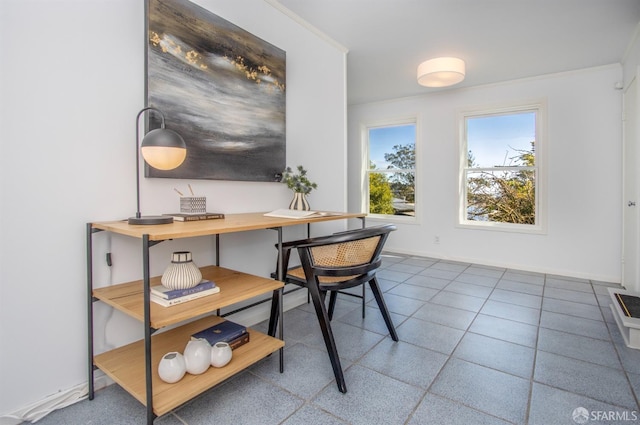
(507, 265)
(38, 410)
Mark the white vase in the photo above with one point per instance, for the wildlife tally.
(197, 356)
(221, 354)
(182, 273)
(172, 367)
(299, 202)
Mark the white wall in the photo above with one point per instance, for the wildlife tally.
(584, 177)
(72, 83)
(632, 57)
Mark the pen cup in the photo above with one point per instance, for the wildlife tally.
(193, 204)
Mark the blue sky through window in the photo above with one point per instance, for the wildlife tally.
(494, 140)
(383, 139)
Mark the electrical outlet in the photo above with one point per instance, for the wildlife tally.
(436, 239)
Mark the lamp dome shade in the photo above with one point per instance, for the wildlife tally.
(441, 72)
(163, 149)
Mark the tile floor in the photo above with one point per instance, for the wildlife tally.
(478, 345)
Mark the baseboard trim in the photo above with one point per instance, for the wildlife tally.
(511, 266)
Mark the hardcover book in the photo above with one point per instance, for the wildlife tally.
(169, 294)
(175, 301)
(239, 341)
(224, 331)
(195, 217)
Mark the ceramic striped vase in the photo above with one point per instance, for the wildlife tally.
(182, 273)
(299, 202)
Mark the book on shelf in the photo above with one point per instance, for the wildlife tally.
(287, 213)
(169, 294)
(236, 342)
(195, 216)
(225, 331)
(175, 301)
(239, 341)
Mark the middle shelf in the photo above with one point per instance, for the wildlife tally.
(234, 286)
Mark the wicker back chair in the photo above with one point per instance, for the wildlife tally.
(333, 263)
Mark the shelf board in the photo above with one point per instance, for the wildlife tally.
(234, 287)
(126, 364)
(231, 223)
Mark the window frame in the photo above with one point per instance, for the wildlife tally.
(539, 107)
(392, 122)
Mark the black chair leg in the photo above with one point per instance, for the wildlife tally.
(273, 318)
(363, 299)
(325, 325)
(332, 303)
(375, 288)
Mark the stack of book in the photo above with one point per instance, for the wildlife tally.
(167, 297)
(232, 333)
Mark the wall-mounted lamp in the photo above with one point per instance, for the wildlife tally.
(163, 149)
(441, 72)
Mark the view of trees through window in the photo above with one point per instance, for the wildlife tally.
(501, 168)
(392, 161)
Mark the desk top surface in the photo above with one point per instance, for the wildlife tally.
(230, 224)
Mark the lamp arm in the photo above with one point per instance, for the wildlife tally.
(149, 108)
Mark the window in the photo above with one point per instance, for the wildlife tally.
(391, 170)
(501, 166)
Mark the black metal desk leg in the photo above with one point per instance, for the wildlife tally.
(147, 328)
(90, 307)
(281, 329)
(280, 297)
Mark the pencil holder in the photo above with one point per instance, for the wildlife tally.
(193, 204)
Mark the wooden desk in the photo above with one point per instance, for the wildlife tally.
(232, 223)
(134, 366)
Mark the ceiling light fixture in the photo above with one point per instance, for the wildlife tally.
(441, 72)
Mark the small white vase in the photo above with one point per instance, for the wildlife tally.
(172, 367)
(197, 356)
(182, 273)
(299, 202)
(221, 354)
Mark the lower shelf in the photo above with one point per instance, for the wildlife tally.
(126, 365)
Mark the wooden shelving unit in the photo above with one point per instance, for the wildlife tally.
(134, 366)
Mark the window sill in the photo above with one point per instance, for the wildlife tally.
(504, 227)
(401, 219)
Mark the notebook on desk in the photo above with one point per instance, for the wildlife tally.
(287, 213)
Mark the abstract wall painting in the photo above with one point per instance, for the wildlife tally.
(221, 88)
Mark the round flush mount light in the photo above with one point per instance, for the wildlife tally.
(441, 72)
